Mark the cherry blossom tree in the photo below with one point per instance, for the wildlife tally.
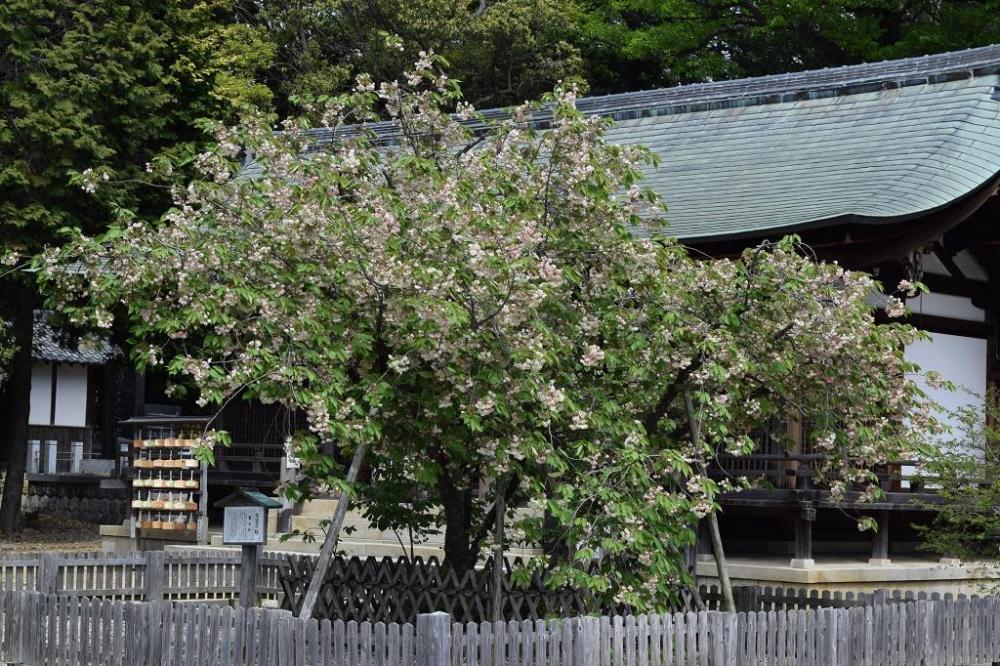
(494, 302)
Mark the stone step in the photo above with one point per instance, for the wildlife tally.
(319, 507)
(319, 523)
(312, 514)
(356, 527)
(347, 546)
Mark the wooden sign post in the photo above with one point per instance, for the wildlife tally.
(244, 524)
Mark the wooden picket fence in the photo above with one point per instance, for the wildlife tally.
(139, 576)
(930, 633)
(48, 630)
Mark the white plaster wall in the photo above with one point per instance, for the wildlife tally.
(958, 359)
(40, 410)
(71, 395)
(946, 305)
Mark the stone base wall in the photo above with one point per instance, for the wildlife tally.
(83, 500)
(905, 574)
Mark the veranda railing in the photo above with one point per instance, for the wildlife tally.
(139, 576)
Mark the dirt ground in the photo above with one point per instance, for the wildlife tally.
(57, 533)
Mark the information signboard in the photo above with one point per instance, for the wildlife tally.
(244, 525)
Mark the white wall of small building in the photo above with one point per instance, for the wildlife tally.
(40, 411)
(70, 399)
(71, 396)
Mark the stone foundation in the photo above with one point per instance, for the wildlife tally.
(908, 574)
(82, 498)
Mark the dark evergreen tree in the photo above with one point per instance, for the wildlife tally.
(109, 85)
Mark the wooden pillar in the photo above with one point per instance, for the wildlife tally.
(75, 457)
(51, 456)
(992, 308)
(794, 430)
(803, 538)
(47, 574)
(880, 540)
(154, 575)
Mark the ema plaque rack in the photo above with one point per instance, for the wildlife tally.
(169, 485)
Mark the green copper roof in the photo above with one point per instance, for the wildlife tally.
(865, 157)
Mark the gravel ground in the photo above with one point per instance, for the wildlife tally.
(58, 533)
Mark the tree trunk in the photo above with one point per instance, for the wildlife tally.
(459, 552)
(18, 308)
(553, 541)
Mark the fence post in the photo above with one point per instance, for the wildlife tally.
(829, 649)
(732, 624)
(47, 574)
(154, 575)
(586, 641)
(248, 575)
(433, 639)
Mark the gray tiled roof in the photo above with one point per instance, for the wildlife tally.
(48, 345)
(829, 82)
(867, 143)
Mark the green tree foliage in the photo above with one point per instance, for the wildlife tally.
(966, 475)
(505, 52)
(637, 44)
(112, 85)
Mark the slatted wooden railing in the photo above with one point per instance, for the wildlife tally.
(139, 576)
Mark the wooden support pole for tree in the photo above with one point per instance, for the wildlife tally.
(720, 563)
(713, 520)
(332, 535)
(498, 559)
